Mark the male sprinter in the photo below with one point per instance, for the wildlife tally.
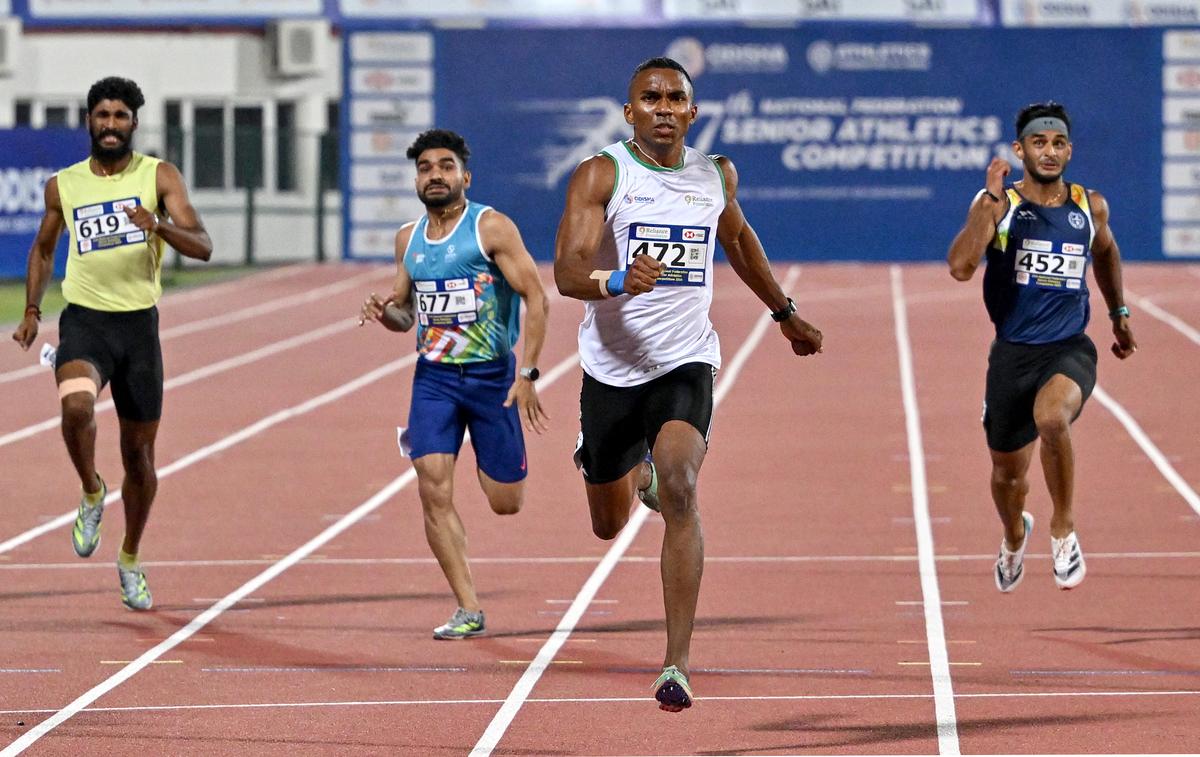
(464, 267)
(1039, 236)
(119, 207)
(636, 244)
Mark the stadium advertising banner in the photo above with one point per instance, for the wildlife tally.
(30, 157)
(1099, 12)
(851, 142)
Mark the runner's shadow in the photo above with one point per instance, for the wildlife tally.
(837, 736)
(1135, 635)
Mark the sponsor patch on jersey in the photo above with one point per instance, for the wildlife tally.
(1072, 249)
(651, 232)
(1037, 245)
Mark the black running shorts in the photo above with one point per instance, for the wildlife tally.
(1015, 374)
(618, 424)
(125, 350)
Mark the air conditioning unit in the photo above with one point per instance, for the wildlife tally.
(10, 42)
(298, 47)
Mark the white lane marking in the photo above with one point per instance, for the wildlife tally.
(1166, 317)
(250, 587)
(545, 656)
(1160, 461)
(226, 442)
(935, 632)
(202, 324)
(575, 559)
(610, 700)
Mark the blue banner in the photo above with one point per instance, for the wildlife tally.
(851, 142)
(29, 158)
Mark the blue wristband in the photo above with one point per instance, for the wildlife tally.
(616, 283)
(1120, 312)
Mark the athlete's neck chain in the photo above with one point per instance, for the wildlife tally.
(649, 157)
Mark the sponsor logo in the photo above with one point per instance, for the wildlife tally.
(1076, 219)
(1026, 215)
(639, 199)
(824, 56)
(1037, 245)
(695, 234)
(699, 201)
(1072, 249)
(724, 57)
(651, 232)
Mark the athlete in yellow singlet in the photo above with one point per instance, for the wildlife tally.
(120, 208)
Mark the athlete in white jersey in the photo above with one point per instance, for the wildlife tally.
(636, 243)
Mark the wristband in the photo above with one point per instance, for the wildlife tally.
(1121, 312)
(37, 311)
(988, 192)
(782, 314)
(616, 283)
(601, 278)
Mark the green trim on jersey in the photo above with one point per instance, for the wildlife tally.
(616, 179)
(653, 166)
(721, 173)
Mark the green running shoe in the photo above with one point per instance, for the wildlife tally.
(134, 593)
(672, 690)
(649, 495)
(462, 625)
(85, 537)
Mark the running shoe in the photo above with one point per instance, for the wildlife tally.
(462, 625)
(135, 594)
(1010, 565)
(672, 690)
(1069, 567)
(649, 495)
(85, 537)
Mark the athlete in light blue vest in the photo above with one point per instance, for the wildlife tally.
(460, 271)
(1040, 236)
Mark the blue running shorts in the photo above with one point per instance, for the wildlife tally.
(450, 399)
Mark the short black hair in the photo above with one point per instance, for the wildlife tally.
(116, 88)
(433, 138)
(1049, 109)
(661, 62)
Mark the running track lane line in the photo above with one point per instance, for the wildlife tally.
(935, 632)
(1157, 457)
(1170, 319)
(229, 600)
(222, 444)
(237, 361)
(520, 692)
(211, 322)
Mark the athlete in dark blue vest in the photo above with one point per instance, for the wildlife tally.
(1040, 237)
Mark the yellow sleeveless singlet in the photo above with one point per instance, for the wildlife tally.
(112, 265)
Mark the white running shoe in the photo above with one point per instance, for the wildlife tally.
(1010, 565)
(1069, 567)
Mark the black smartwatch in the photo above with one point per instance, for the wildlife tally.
(530, 373)
(781, 315)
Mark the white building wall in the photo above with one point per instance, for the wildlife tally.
(228, 67)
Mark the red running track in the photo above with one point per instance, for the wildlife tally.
(296, 593)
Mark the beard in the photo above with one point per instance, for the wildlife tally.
(111, 154)
(452, 196)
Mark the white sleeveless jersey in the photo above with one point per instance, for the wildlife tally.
(670, 213)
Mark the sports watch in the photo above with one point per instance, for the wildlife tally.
(530, 373)
(781, 315)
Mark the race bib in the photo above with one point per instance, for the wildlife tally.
(105, 225)
(445, 302)
(682, 249)
(1050, 270)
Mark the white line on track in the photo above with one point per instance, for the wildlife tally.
(935, 632)
(226, 442)
(1157, 457)
(202, 324)
(545, 656)
(204, 372)
(212, 613)
(1170, 319)
(612, 700)
(577, 560)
